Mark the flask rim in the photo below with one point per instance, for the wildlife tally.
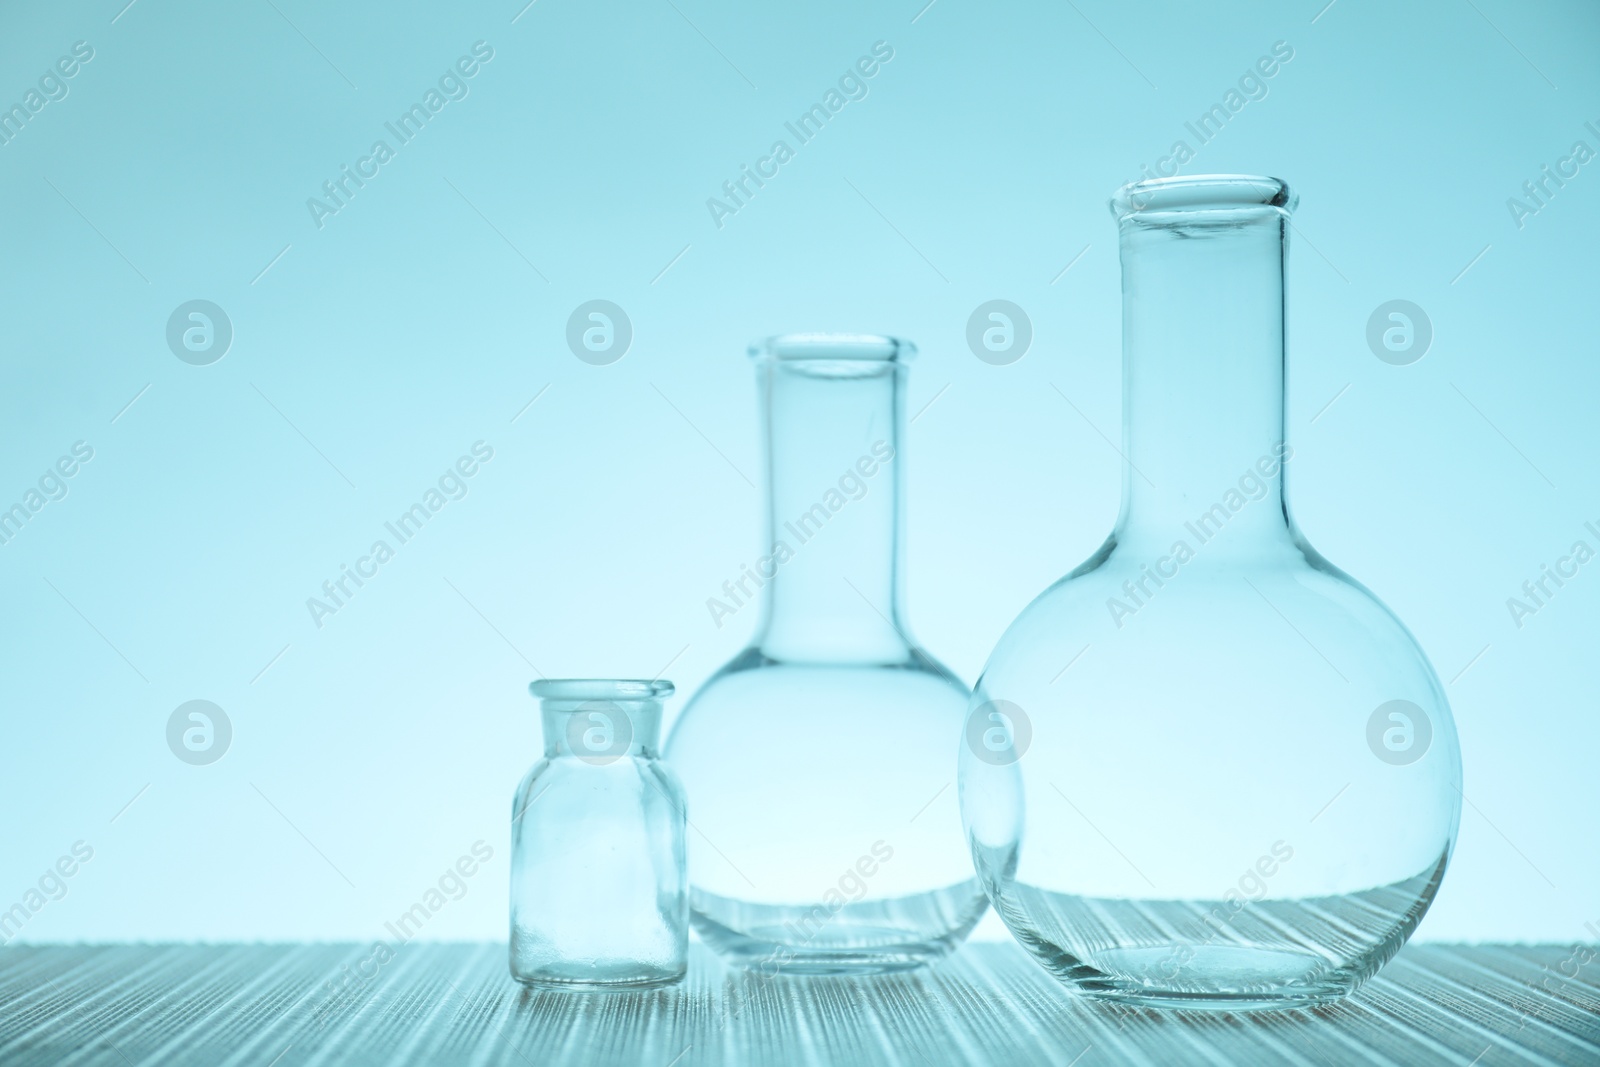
(834, 347)
(615, 689)
(1203, 193)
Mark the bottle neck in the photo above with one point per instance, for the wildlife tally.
(1203, 378)
(601, 731)
(830, 563)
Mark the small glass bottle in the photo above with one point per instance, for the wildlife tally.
(827, 836)
(598, 889)
(1228, 775)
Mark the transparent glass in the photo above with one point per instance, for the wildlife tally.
(599, 895)
(1217, 771)
(828, 838)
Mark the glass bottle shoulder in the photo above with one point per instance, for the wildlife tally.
(804, 710)
(570, 780)
(1276, 598)
(754, 672)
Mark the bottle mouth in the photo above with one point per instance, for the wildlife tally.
(1203, 193)
(616, 689)
(834, 348)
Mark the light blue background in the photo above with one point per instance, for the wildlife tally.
(377, 749)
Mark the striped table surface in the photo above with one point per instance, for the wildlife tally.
(289, 1005)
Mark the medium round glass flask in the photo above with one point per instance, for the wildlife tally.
(827, 838)
(1208, 768)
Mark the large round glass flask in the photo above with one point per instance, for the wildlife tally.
(1208, 768)
(826, 837)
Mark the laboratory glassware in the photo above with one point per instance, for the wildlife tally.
(599, 893)
(827, 836)
(1207, 768)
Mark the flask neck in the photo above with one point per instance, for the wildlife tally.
(1203, 377)
(830, 563)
